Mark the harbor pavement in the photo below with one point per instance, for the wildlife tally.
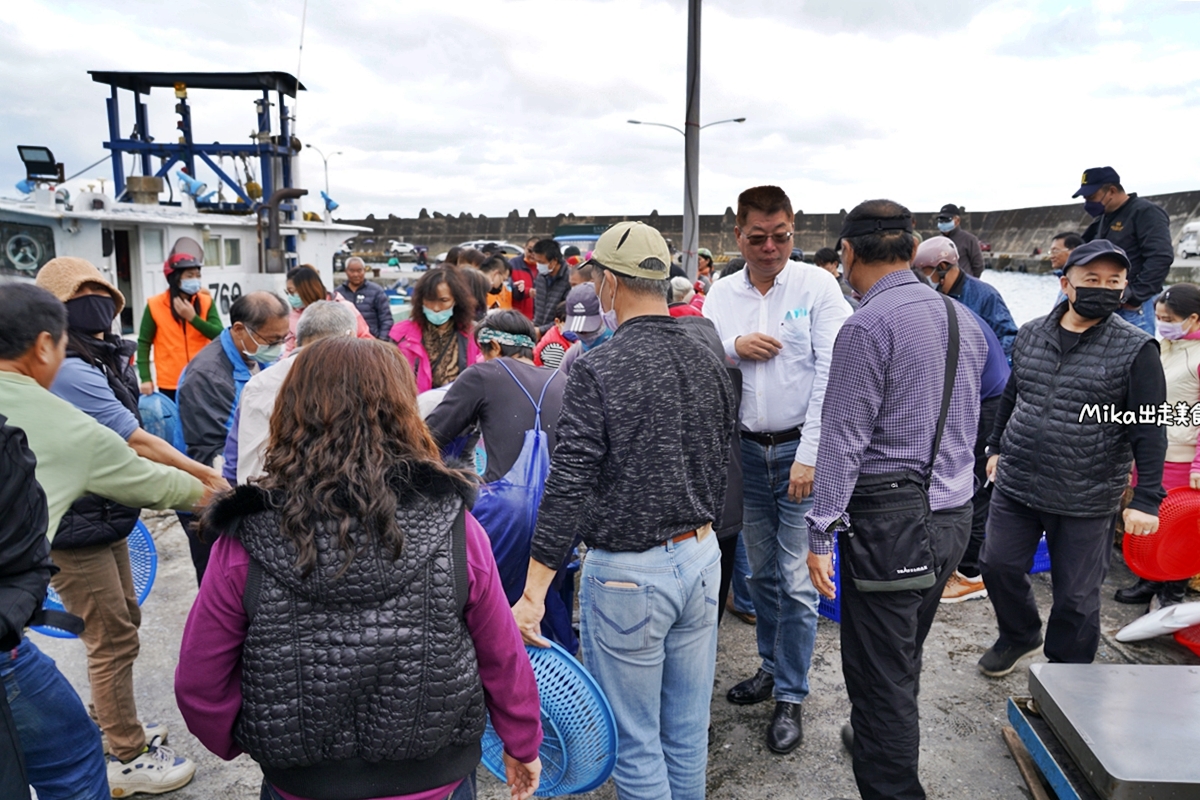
(962, 753)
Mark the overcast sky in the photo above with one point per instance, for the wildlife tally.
(486, 106)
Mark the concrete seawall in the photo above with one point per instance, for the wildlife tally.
(1015, 231)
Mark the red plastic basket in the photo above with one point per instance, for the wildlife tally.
(1189, 638)
(1171, 553)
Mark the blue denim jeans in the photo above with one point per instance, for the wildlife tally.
(776, 537)
(742, 601)
(61, 743)
(648, 632)
(1142, 317)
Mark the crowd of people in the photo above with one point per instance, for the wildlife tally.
(382, 513)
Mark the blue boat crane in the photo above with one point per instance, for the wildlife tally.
(275, 152)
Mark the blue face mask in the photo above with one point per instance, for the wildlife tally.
(189, 285)
(294, 301)
(1094, 208)
(946, 227)
(438, 318)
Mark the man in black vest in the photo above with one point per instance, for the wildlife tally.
(1081, 407)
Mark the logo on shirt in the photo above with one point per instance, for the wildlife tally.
(796, 313)
(1117, 227)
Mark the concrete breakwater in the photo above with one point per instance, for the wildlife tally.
(1013, 233)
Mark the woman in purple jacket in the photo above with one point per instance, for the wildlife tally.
(353, 628)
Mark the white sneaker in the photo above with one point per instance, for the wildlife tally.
(156, 734)
(155, 771)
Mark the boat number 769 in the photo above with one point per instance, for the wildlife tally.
(225, 294)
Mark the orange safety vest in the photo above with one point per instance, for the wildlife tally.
(175, 343)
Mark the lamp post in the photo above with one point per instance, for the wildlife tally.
(691, 182)
(326, 160)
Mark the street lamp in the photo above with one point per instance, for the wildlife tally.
(326, 160)
(691, 180)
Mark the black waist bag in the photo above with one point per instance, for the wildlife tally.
(889, 545)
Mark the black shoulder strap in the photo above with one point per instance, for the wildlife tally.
(947, 380)
(458, 544)
(253, 588)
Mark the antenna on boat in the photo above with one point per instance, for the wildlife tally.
(299, 58)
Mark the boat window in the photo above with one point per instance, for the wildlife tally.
(233, 252)
(24, 248)
(152, 246)
(212, 251)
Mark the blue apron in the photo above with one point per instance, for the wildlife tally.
(507, 510)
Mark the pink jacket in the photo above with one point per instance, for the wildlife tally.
(407, 336)
(362, 331)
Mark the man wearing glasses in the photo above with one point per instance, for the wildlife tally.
(212, 384)
(778, 320)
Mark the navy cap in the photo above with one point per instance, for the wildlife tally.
(950, 210)
(1094, 178)
(1097, 248)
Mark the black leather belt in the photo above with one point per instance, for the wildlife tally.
(772, 439)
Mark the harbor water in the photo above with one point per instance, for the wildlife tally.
(1028, 296)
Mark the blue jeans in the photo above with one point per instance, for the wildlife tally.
(61, 743)
(648, 632)
(776, 537)
(1142, 317)
(742, 601)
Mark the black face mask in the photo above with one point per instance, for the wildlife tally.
(1092, 302)
(91, 313)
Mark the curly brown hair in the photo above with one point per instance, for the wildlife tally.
(346, 437)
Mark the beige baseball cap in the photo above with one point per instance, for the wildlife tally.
(624, 248)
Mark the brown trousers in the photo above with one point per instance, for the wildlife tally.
(96, 583)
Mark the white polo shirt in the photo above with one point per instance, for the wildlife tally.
(804, 310)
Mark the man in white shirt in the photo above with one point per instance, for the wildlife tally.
(777, 320)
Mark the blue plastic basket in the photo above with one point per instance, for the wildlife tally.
(579, 732)
(143, 560)
(1041, 559)
(832, 609)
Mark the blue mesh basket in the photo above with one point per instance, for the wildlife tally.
(1041, 559)
(143, 559)
(832, 609)
(579, 732)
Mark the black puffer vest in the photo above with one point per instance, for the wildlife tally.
(94, 520)
(363, 684)
(1049, 459)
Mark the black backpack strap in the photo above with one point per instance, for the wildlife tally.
(54, 618)
(458, 545)
(952, 344)
(254, 578)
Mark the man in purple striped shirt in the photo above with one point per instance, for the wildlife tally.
(881, 410)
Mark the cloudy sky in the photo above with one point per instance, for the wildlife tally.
(486, 106)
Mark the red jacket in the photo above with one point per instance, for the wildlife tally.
(522, 299)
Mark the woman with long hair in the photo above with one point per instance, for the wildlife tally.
(1177, 314)
(305, 287)
(365, 568)
(176, 325)
(437, 339)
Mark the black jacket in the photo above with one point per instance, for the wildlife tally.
(1055, 455)
(970, 254)
(1143, 231)
(382, 668)
(25, 565)
(551, 290)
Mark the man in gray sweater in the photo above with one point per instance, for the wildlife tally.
(641, 479)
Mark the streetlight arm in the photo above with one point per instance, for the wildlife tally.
(657, 125)
(721, 121)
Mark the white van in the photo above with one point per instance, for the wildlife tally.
(1189, 241)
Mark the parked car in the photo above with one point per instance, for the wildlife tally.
(985, 247)
(401, 249)
(1189, 241)
(508, 249)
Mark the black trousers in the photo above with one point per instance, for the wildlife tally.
(200, 550)
(882, 637)
(728, 547)
(1080, 551)
(982, 500)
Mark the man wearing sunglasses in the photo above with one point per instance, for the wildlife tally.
(778, 320)
(212, 383)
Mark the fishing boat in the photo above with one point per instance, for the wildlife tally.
(249, 240)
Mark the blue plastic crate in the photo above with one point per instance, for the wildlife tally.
(1041, 559)
(832, 609)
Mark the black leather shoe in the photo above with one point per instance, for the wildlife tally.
(786, 730)
(848, 737)
(1139, 594)
(1171, 593)
(753, 690)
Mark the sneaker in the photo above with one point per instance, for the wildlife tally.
(156, 734)
(998, 662)
(155, 771)
(960, 588)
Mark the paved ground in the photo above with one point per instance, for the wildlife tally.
(962, 712)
